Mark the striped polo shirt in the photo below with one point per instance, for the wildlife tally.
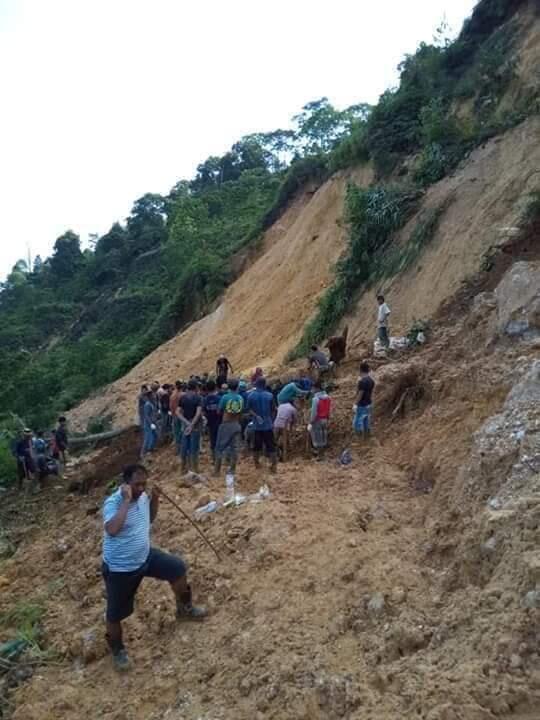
(129, 549)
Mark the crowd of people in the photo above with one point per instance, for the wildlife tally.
(257, 414)
(39, 454)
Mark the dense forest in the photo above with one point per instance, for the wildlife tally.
(83, 317)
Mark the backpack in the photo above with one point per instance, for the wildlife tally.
(323, 408)
(234, 405)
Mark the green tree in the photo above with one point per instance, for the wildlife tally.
(115, 239)
(146, 224)
(67, 257)
(321, 126)
(18, 275)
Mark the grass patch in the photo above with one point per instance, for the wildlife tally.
(25, 619)
(398, 257)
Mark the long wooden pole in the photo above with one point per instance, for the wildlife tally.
(186, 516)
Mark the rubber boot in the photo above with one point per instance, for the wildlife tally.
(217, 466)
(273, 463)
(185, 610)
(119, 655)
(257, 459)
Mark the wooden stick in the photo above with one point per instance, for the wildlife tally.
(184, 513)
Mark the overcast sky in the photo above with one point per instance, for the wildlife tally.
(104, 100)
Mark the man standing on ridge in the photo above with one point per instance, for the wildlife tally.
(261, 404)
(382, 321)
(128, 558)
(222, 370)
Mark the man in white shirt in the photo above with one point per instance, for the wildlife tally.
(382, 321)
(286, 418)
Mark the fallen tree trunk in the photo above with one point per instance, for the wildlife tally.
(78, 442)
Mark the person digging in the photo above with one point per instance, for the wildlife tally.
(128, 557)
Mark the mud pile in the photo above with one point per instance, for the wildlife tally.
(404, 585)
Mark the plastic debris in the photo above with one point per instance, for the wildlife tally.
(206, 509)
(229, 487)
(399, 343)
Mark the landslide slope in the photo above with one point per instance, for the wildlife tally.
(262, 315)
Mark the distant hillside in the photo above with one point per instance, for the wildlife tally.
(82, 319)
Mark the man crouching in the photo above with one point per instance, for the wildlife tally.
(128, 558)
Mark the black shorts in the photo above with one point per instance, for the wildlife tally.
(122, 586)
(266, 438)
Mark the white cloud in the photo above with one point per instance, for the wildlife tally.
(104, 100)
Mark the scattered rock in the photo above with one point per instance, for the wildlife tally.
(244, 687)
(60, 549)
(202, 501)
(495, 503)
(489, 547)
(88, 646)
(336, 695)
(516, 661)
(532, 600)
(191, 479)
(398, 595)
(376, 604)
(518, 300)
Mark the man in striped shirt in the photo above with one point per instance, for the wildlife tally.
(128, 558)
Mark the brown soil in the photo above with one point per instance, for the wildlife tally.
(295, 629)
(392, 588)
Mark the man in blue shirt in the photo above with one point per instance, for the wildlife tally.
(128, 558)
(261, 407)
